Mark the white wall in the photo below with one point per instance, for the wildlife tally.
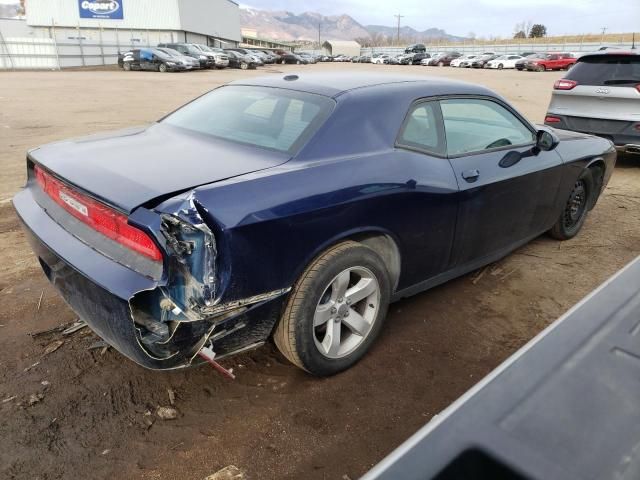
(216, 18)
(138, 14)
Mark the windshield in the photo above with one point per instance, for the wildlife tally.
(271, 118)
(171, 51)
(621, 70)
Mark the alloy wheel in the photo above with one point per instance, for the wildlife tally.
(346, 311)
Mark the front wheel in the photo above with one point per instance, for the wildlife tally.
(126, 66)
(575, 209)
(500, 66)
(162, 68)
(540, 68)
(244, 66)
(336, 310)
(440, 64)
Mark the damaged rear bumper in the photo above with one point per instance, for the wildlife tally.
(107, 296)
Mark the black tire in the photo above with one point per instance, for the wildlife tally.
(440, 64)
(500, 66)
(244, 66)
(576, 207)
(297, 62)
(126, 66)
(295, 334)
(540, 68)
(162, 68)
(284, 62)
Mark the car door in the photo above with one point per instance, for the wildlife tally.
(147, 59)
(507, 185)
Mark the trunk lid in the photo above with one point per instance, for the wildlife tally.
(131, 167)
(594, 101)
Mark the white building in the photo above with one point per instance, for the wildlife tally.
(143, 22)
(341, 47)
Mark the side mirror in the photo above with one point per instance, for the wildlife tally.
(546, 140)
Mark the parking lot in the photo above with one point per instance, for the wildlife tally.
(68, 409)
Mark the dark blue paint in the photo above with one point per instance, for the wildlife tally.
(271, 214)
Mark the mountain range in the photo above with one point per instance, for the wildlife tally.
(288, 26)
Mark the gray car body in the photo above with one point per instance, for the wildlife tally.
(610, 111)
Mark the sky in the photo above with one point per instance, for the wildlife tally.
(483, 17)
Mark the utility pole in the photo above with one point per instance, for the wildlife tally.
(604, 29)
(399, 17)
(319, 45)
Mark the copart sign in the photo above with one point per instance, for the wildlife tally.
(104, 9)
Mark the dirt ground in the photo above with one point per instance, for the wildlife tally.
(80, 413)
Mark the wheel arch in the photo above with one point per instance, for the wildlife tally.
(597, 167)
(381, 241)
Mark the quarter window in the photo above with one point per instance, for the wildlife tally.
(474, 125)
(422, 129)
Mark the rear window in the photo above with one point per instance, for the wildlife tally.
(620, 70)
(272, 118)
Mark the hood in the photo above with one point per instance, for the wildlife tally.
(132, 167)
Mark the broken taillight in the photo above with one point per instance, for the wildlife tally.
(110, 223)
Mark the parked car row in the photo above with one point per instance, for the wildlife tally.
(179, 56)
(531, 61)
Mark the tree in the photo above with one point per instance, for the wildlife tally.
(520, 34)
(538, 31)
(524, 26)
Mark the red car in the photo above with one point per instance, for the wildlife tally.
(551, 61)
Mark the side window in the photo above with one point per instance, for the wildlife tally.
(474, 125)
(422, 129)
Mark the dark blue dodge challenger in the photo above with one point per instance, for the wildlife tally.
(296, 208)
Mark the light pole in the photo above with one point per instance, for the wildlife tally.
(398, 17)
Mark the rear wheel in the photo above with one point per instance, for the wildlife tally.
(440, 64)
(244, 66)
(540, 68)
(335, 310)
(575, 209)
(162, 68)
(500, 66)
(283, 62)
(126, 66)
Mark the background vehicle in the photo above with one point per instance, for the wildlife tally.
(415, 48)
(551, 61)
(240, 60)
(457, 61)
(381, 59)
(180, 253)
(416, 59)
(444, 60)
(482, 60)
(504, 61)
(190, 50)
(257, 59)
(292, 58)
(151, 59)
(190, 62)
(521, 64)
(600, 95)
(220, 59)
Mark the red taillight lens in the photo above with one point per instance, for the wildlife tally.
(551, 119)
(638, 87)
(101, 218)
(564, 84)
